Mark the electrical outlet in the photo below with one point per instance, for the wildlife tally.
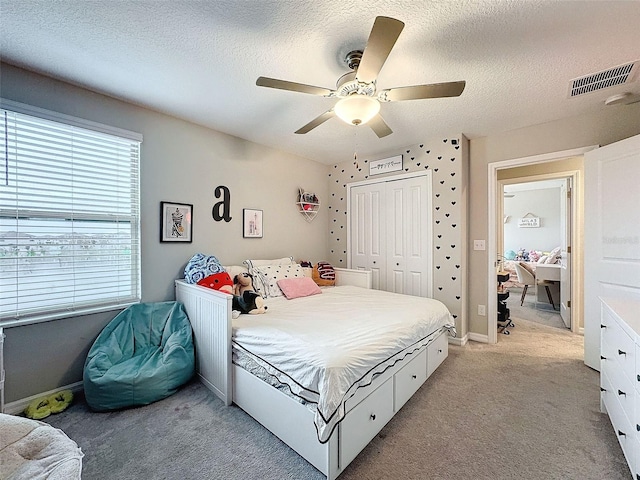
(482, 310)
(478, 245)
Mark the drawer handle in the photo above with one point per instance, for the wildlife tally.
(414, 376)
(439, 350)
(620, 352)
(638, 427)
(620, 392)
(639, 377)
(373, 416)
(621, 433)
(602, 358)
(603, 326)
(603, 389)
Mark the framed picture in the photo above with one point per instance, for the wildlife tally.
(176, 222)
(251, 223)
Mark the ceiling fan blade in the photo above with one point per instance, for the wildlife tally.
(379, 126)
(320, 119)
(293, 86)
(417, 92)
(382, 38)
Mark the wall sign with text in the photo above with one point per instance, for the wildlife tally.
(385, 165)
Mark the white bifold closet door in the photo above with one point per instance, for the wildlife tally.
(390, 234)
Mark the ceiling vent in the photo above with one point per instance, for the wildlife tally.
(608, 78)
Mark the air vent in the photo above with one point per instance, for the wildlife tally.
(605, 79)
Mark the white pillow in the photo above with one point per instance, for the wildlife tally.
(250, 263)
(234, 270)
(268, 276)
(258, 281)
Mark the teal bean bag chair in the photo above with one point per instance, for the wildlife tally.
(143, 355)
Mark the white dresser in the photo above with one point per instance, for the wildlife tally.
(620, 374)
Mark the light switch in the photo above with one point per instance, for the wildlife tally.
(478, 245)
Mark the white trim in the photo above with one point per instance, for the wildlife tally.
(460, 341)
(19, 406)
(68, 119)
(492, 187)
(478, 337)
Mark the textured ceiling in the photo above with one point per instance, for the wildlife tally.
(199, 60)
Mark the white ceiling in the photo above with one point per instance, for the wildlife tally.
(199, 60)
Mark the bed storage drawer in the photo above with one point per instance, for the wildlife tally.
(409, 378)
(436, 353)
(363, 422)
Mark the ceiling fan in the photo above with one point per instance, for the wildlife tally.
(359, 101)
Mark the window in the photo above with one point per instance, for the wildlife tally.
(69, 215)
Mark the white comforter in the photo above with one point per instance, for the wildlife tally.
(326, 346)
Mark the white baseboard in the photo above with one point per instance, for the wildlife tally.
(461, 341)
(477, 337)
(19, 406)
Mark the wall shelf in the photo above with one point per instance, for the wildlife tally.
(308, 205)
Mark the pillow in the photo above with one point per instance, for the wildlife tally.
(324, 274)
(553, 255)
(261, 263)
(258, 283)
(298, 287)
(543, 259)
(267, 276)
(234, 270)
(201, 266)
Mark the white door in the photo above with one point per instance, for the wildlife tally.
(565, 252)
(408, 261)
(368, 249)
(390, 233)
(611, 234)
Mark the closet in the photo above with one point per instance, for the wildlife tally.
(390, 232)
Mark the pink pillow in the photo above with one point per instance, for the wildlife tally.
(298, 287)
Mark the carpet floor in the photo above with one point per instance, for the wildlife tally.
(525, 408)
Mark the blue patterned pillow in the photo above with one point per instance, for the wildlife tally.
(201, 266)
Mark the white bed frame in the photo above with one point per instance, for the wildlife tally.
(367, 411)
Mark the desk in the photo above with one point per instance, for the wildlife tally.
(550, 273)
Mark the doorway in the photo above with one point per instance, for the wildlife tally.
(569, 163)
(534, 248)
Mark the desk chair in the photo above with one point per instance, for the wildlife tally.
(527, 278)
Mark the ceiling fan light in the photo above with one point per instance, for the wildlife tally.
(357, 109)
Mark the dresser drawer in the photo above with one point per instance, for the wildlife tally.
(408, 380)
(622, 350)
(365, 420)
(437, 352)
(623, 430)
(623, 390)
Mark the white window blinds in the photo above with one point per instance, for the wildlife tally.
(69, 218)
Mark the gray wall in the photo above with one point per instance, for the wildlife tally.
(543, 203)
(180, 162)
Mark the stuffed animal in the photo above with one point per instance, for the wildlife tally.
(218, 281)
(249, 302)
(242, 282)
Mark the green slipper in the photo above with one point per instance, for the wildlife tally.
(38, 409)
(60, 400)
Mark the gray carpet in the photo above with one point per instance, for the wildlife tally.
(525, 408)
(538, 312)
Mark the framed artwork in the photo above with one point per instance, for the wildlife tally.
(176, 222)
(251, 223)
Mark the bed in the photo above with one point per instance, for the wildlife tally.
(299, 371)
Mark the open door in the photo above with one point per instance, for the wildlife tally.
(565, 252)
